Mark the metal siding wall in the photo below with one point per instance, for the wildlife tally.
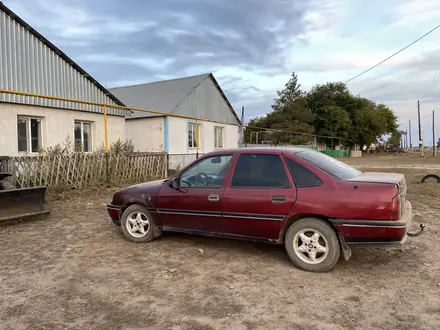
(207, 102)
(28, 65)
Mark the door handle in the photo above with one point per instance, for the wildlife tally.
(278, 199)
(213, 197)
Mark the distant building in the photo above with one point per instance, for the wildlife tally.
(196, 96)
(32, 64)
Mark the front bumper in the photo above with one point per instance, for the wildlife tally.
(114, 212)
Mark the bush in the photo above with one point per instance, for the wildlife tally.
(120, 147)
(68, 147)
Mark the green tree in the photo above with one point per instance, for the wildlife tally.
(290, 114)
(371, 122)
(327, 110)
(339, 113)
(438, 143)
(395, 138)
(330, 103)
(332, 120)
(293, 117)
(289, 95)
(329, 94)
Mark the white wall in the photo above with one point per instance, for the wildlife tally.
(146, 133)
(57, 125)
(178, 136)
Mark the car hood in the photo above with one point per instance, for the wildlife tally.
(143, 193)
(150, 186)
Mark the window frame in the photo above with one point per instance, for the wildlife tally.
(82, 122)
(222, 130)
(194, 137)
(29, 134)
(286, 158)
(283, 162)
(225, 179)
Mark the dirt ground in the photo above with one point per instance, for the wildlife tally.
(74, 270)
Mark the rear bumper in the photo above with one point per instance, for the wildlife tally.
(371, 232)
(114, 211)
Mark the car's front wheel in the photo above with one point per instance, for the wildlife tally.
(137, 224)
(312, 245)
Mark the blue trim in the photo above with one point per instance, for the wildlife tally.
(166, 137)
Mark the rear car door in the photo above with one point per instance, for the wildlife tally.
(196, 204)
(259, 195)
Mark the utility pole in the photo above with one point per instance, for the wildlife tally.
(420, 129)
(242, 137)
(406, 139)
(410, 140)
(433, 134)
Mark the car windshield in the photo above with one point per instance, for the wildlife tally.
(329, 164)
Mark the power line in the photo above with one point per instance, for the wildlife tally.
(412, 43)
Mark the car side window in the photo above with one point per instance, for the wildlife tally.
(209, 172)
(303, 177)
(260, 171)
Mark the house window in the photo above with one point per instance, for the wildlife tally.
(192, 135)
(218, 136)
(83, 136)
(29, 134)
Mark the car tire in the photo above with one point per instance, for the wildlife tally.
(320, 250)
(430, 176)
(134, 218)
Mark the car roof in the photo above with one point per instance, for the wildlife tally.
(260, 150)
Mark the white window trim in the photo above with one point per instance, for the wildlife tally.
(195, 135)
(29, 135)
(82, 122)
(223, 137)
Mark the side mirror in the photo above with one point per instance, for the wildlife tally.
(174, 183)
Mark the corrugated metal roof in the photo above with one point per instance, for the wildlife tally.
(163, 95)
(166, 95)
(32, 64)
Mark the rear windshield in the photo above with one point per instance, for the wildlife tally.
(329, 164)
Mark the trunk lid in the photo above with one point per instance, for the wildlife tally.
(397, 179)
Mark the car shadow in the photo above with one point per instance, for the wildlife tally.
(362, 258)
(234, 246)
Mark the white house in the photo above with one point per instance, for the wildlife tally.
(30, 63)
(196, 96)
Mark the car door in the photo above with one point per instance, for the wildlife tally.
(259, 195)
(196, 204)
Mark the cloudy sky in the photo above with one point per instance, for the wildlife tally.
(252, 46)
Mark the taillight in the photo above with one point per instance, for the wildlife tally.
(395, 206)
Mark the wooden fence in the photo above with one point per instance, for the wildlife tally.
(81, 169)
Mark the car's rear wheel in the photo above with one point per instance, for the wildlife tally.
(137, 224)
(312, 245)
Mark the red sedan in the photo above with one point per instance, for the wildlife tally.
(314, 204)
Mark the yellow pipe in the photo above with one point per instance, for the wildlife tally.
(143, 110)
(105, 105)
(105, 129)
(197, 137)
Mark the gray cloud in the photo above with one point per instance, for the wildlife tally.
(138, 40)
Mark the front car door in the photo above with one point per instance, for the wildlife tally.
(196, 205)
(258, 197)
